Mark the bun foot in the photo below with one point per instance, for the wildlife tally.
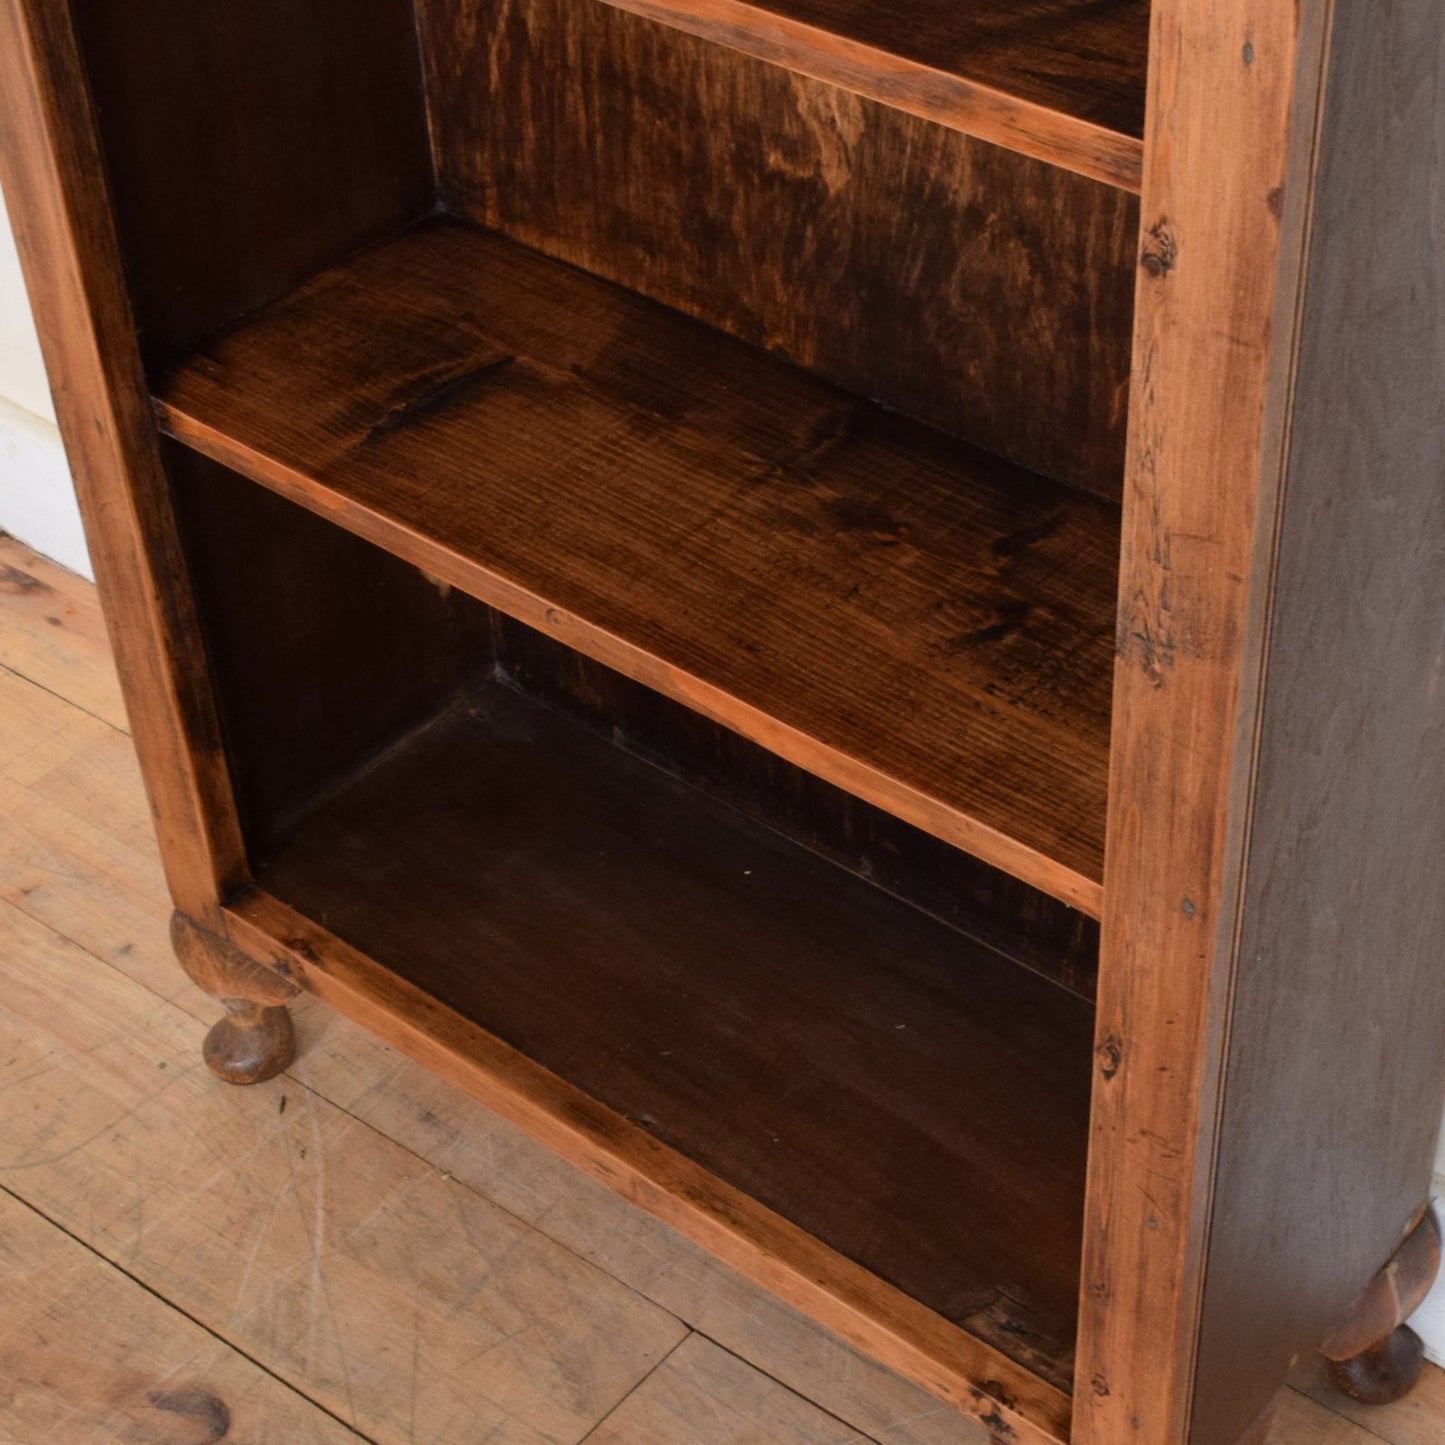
(1383, 1374)
(1374, 1356)
(253, 1042)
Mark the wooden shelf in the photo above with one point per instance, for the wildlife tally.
(926, 626)
(916, 1101)
(1061, 80)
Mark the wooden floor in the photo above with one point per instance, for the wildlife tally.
(352, 1251)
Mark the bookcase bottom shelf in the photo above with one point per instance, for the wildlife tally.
(911, 1099)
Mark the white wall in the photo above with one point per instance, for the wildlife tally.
(37, 504)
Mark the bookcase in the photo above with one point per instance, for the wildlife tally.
(834, 607)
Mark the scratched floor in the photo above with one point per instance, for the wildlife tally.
(352, 1251)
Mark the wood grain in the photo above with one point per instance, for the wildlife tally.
(324, 650)
(56, 192)
(912, 1100)
(1298, 1421)
(701, 1395)
(786, 212)
(78, 892)
(63, 869)
(115, 1131)
(1214, 332)
(1418, 1420)
(982, 902)
(728, 531)
(91, 1357)
(1343, 920)
(293, 133)
(54, 633)
(892, 1328)
(1056, 79)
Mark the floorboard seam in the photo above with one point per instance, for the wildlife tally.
(598, 1424)
(61, 698)
(186, 1314)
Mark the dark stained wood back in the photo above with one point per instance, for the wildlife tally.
(249, 144)
(983, 902)
(972, 287)
(323, 649)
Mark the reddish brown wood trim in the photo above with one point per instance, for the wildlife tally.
(881, 1321)
(1229, 148)
(909, 85)
(56, 192)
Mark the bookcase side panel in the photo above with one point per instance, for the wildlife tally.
(1336, 1060)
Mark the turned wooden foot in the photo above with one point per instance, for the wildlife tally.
(1385, 1372)
(1374, 1356)
(255, 1039)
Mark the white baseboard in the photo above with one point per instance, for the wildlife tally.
(37, 498)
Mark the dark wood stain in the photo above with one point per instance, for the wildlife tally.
(1086, 58)
(913, 1099)
(983, 902)
(249, 144)
(206, 1408)
(984, 292)
(660, 482)
(323, 649)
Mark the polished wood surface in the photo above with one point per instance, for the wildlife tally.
(739, 536)
(909, 1098)
(1268, 894)
(918, 623)
(1062, 80)
(959, 1368)
(989, 906)
(786, 212)
(254, 1039)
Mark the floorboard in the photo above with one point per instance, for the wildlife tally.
(280, 1261)
(90, 1357)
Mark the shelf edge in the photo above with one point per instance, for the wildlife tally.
(864, 781)
(979, 110)
(869, 1314)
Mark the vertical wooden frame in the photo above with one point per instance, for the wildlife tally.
(1204, 462)
(1245, 1182)
(1228, 157)
(59, 202)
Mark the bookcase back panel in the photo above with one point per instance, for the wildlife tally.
(250, 144)
(323, 649)
(981, 291)
(1027, 925)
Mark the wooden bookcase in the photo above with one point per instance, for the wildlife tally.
(834, 607)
